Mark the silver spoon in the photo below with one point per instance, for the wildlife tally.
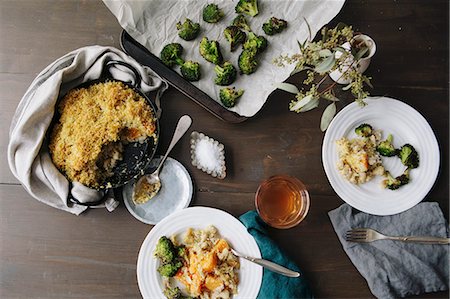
(149, 185)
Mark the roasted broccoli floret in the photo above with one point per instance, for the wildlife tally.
(255, 43)
(247, 62)
(241, 22)
(171, 54)
(363, 130)
(274, 26)
(170, 269)
(191, 70)
(173, 293)
(394, 183)
(212, 13)
(235, 36)
(229, 95)
(210, 50)
(165, 250)
(188, 30)
(248, 7)
(409, 156)
(226, 73)
(386, 148)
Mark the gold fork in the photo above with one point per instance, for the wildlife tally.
(365, 235)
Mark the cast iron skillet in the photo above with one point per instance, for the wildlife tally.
(136, 155)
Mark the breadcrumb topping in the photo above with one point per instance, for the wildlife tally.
(94, 122)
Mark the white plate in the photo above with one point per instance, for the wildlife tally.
(407, 126)
(175, 193)
(250, 275)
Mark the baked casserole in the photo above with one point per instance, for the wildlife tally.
(87, 140)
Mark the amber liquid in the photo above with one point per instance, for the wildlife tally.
(282, 201)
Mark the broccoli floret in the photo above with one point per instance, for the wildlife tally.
(173, 293)
(255, 43)
(364, 130)
(235, 36)
(212, 13)
(241, 22)
(229, 95)
(248, 7)
(165, 250)
(274, 26)
(210, 50)
(247, 62)
(191, 70)
(188, 30)
(226, 74)
(170, 269)
(386, 148)
(394, 183)
(409, 156)
(181, 250)
(171, 54)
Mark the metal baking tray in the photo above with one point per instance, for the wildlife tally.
(143, 56)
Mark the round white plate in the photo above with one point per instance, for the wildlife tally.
(250, 275)
(175, 193)
(407, 126)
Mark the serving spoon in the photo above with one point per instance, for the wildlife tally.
(149, 185)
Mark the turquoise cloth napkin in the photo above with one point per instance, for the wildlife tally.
(275, 285)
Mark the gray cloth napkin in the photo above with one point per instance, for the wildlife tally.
(29, 161)
(392, 268)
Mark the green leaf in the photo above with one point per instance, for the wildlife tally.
(361, 53)
(347, 87)
(287, 87)
(341, 26)
(367, 81)
(325, 53)
(327, 116)
(301, 103)
(309, 29)
(326, 65)
(314, 103)
(340, 49)
(331, 98)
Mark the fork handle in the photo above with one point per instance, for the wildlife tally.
(423, 240)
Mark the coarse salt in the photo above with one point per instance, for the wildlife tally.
(207, 155)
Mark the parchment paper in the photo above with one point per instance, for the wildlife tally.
(153, 24)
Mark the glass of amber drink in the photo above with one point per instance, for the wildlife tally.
(282, 201)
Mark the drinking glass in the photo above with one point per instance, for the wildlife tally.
(282, 201)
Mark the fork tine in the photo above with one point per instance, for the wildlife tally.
(356, 235)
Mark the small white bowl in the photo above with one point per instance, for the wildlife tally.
(195, 138)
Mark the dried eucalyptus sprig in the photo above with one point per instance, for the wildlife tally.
(318, 59)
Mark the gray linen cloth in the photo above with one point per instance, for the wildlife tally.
(396, 269)
(28, 159)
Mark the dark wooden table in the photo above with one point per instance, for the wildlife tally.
(46, 253)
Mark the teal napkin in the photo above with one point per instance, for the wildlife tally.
(275, 285)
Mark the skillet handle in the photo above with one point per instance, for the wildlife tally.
(112, 63)
(72, 199)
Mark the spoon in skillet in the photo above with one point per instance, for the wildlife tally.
(149, 185)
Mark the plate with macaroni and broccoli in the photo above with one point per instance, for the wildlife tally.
(381, 158)
(188, 255)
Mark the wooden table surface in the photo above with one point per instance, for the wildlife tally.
(47, 253)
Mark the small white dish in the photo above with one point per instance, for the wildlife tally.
(175, 193)
(220, 171)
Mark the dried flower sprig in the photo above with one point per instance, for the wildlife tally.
(318, 59)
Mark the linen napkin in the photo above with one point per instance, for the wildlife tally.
(275, 285)
(396, 269)
(28, 154)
